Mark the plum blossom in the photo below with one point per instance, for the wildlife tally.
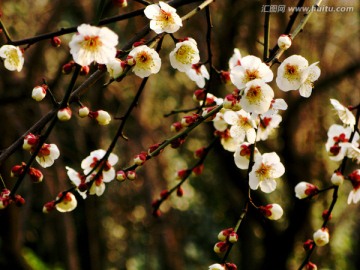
(352, 151)
(115, 67)
(241, 125)
(216, 266)
(267, 126)
(108, 171)
(47, 155)
(272, 211)
(242, 155)
(67, 202)
(338, 137)
(13, 57)
(38, 93)
(354, 195)
(321, 237)
(184, 55)
(163, 18)
(147, 61)
(295, 73)
(344, 113)
(284, 42)
(227, 142)
(235, 59)
(275, 106)
(93, 43)
(308, 77)
(266, 169)
(219, 122)
(257, 97)
(251, 68)
(78, 180)
(198, 73)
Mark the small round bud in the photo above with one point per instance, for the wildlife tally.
(175, 127)
(233, 237)
(85, 70)
(225, 77)
(337, 178)
(38, 93)
(230, 266)
(177, 142)
(30, 141)
(305, 189)
(284, 42)
(198, 169)
(311, 266)
(221, 247)
(321, 237)
(216, 266)
(272, 211)
(131, 175)
(223, 235)
(164, 194)
(140, 158)
(55, 42)
(49, 206)
(130, 61)
(17, 170)
(4, 202)
(120, 176)
(68, 67)
(182, 174)
(19, 201)
(189, 120)
(120, 3)
(199, 95)
(153, 148)
(64, 114)
(179, 191)
(325, 215)
(232, 103)
(83, 111)
(35, 175)
(102, 117)
(199, 153)
(308, 244)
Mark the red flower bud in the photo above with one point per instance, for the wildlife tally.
(55, 42)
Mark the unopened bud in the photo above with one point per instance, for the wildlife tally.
(311, 266)
(225, 77)
(17, 170)
(84, 70)
(223, 235)
(325, 215)
(182, 174)
(120, 176)
(48, 207)
(64, 114)
(164, 194)
(337, 178)
(199, 95)
(305, 189)
(140, 158)
(175, 127)
(83, 111)
(38, 93)
(35, 175)
(179, 191)
(232, 103)
(284, 42)
(19, 201)
(121, 3)
(308, 244)
(233, 237)
(30, 141)
(221, 247)
(198, 169)
(131, 175)
(55, 42)
(102, 117)
(68, 67)
(321, 237)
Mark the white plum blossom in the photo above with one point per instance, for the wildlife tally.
(198, 73)
(337, 178)
(184, 55)
(78, 180)
(108, 171)
(257, 97)
(147, 61)
(227, 142)
(337, 136)
(68, 202)
(38, 93)
(242, 155)
(295, 73)
(241, 125)
(354, 195)
(310, 74)
(115, 67)
(276, 105)
(163, 18)
(321, 237)
(267, 126)
(272, 211)
(219, 122)
(47, 155)
(344, 113)
(265, 170)
(235, 59)
(93, 43)
(251, 68)
(102, 117)
(13, 57)
(352, 151)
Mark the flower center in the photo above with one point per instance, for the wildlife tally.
(13, 57)
(185, 54)
(291, 72)
(91, 43)
(251, 75)
(143, 60)
(263, 172)
(254, 94)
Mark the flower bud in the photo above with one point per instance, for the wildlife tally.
(67, 202)
(55, 42)
(199, 153)
(30, 141)
(189, 120)
(284, 42)
(221, 247)
(68, 67)
(232, 103)
(175, 127)
(311, 266)
(49, 206)
(153, 148)
(223, 235)
(17, 170)
(177, 142)
(325, 215)
(83, 111)
(64, 114)
(121, 3)
(321, 237)
(156, 213)
(233, 237)
(230, 266)
(130, 61)
(216, 266)
(305, 189)
(198, 169)
(199, 95)
(179, 191)
(85, 70)
(38, 93)
(206, 111)
(225, 77)
(131, 175)
(120, 176)
(337, 178)
(164, 194)
(308, 244)
(272, 211)
(19, 201)
(4, 202)
(35, 175)
(140, 158)
(102, 117)
(182, 174)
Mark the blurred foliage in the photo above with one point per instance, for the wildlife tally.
(117, 230)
